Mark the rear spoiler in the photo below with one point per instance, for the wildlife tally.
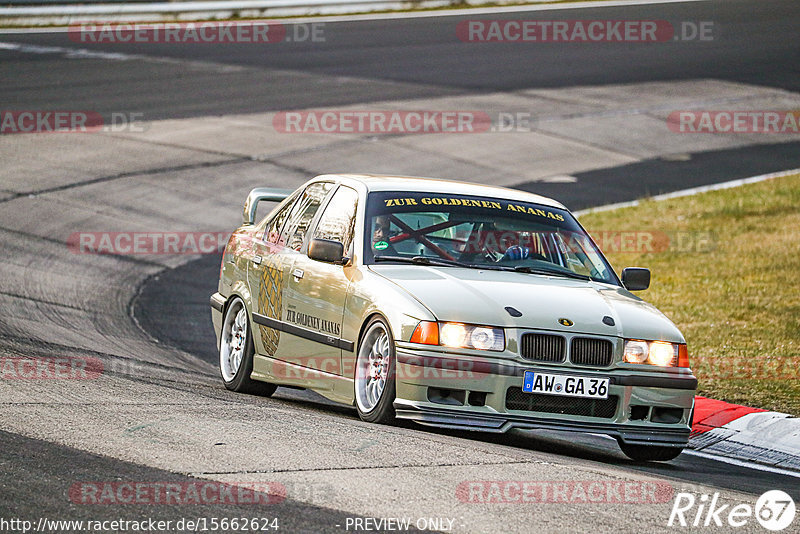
(262, 193)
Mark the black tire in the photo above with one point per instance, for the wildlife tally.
(241, 381)
(650, 453)
(382, 411)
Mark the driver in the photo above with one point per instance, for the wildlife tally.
(380, 236)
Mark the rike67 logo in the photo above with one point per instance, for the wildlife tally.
(774, 510)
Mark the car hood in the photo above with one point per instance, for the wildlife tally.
(481, 296)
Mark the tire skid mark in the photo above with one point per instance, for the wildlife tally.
(131, 174)
(120, 257)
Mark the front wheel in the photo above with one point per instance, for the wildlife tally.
(236, 352)
(650, 453)
(374, 380)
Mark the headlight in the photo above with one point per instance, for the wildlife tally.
(660, 353)
(453, 334)
(459, 335)
(636, 351)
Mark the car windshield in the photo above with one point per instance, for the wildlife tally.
(480, 232)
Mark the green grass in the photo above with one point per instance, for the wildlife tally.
(735, 296)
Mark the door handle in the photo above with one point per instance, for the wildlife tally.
(298, 274)
(257, 260)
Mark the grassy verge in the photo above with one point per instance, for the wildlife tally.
(725, 268)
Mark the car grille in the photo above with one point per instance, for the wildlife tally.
(591, 351)
(542, 347)
(516, 399)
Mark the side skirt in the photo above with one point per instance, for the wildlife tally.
(334, 387)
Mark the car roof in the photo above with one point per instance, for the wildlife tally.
(382, 182)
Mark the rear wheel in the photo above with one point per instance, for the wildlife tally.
(374, 380)
(236, 352)
(650, 453)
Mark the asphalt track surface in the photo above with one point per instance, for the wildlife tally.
(43, 492)
(183, 293)
(394, 59)
(358, 63)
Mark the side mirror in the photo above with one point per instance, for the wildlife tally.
(636, 278)
(327, 251)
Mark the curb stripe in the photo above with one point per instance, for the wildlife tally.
(710, 413)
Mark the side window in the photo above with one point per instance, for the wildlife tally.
(302, 213)
(272, 233)
(338, 222)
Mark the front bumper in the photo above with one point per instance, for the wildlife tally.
(454, 391)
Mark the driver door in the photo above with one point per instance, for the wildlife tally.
(316, 292)
(269, 272)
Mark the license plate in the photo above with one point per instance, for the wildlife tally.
(567, 385)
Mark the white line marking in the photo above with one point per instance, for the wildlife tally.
(557, 178)
(692, 191)
(82, 53)
(427, 14)
(742, 463)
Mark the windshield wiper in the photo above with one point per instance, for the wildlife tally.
(567, 274)
(425, 260)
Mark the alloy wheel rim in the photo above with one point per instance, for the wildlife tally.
(234, 340)
(372, 369)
